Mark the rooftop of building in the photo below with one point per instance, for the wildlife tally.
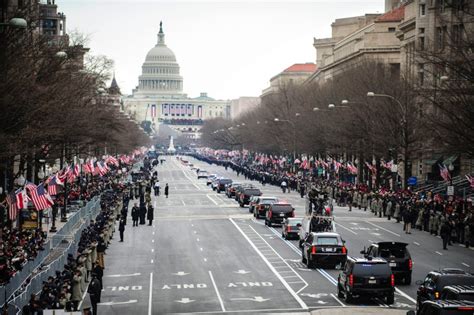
(302, 67)
(395, 15)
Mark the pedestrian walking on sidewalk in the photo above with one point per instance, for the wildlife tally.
(445, 234)
(121, 228)
(167, 190)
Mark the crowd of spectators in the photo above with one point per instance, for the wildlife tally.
(67, 288)
(450, 217)
(17, 247)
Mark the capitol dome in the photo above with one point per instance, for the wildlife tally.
(160, 71)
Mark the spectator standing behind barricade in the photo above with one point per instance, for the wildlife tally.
(76, 289)
(156, 188)
(167, 190)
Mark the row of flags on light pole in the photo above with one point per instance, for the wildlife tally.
(40, 195)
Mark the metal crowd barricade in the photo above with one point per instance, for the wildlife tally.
(89, 211)
(36, 283)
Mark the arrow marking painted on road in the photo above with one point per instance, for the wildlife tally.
(180, 273)
(314, 296)
(118, 303)
(322, 302)
(185, 301)
(126, 275)
(258, 299)
(242, 272)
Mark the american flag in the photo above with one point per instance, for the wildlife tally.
(40, 197)
(52, 186)
(64, 173)
(443, 171)
(112, 160)
(153, 111)
(12, 208)
(471, 180)
(100, 169)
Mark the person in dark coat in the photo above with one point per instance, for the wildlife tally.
(445, 233)
(149, 214)
(167, 190)
(142, 213)
(94, 292)
(407, 218)
(135, 214)
(121, 228)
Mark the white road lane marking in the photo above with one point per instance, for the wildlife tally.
(124, 275)
(118, 303)
(201, 249)
(180, 273)
(406, 296)
(466, 265)
(150, 294)
(382, 228)
(152, 250)
(152, 241)
(345, 228)
(338, 301)
(209, 197)
(270, 266)
(152, 261)
(416, 243)
(441, 254)
(183, 202)
(197, 240)
(217, 291)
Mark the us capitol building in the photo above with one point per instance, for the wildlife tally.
(159, 99)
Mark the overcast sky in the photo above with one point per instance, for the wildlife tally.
(226, 48)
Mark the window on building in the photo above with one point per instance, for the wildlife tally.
(442, 6)
(421, 74)
(391, 29)
(457, 34)
(421, 41)
(422, 9)
(439, 38)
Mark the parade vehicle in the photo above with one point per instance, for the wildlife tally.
(315, 223)
(202, 174)
(246, 193)
(210, 178)
(290, 227)
(239, 189)
(445, 307)
(215, 182)
(230, 189)
(222, 183)
(397, 255)
(252, 202)
(366, 277)
(278, 212)
(430, 288)
(262, 205)
(326, 248)
(458, 292)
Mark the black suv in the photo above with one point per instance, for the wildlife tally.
(430, 288)
(366, 277)
(397, 255)
(222, 183)
(246, 193)
(278, 212)
(458, 292)
(326, 248)
(445, 307)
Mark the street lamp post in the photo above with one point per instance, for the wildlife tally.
(404, 126)
(293, 126)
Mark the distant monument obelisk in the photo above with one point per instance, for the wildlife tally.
(171, 149)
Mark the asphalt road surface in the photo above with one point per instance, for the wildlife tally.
(205, 254)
